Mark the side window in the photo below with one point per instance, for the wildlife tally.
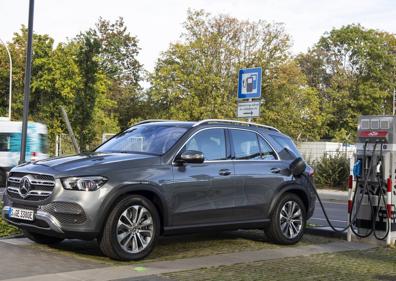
(266, 151)
(210, 142)
(245, 145)
(288, 149)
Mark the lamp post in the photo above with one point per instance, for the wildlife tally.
(26, 90)
(10, 90)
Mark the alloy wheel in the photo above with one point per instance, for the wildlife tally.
(291, 219)
(135, 229)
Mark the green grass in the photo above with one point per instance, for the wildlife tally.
(185, 246)
(7, 229)
(375, 264)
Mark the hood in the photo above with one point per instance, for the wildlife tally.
(86, 161)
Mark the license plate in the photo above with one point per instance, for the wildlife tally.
(21, 214)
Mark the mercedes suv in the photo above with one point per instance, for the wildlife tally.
(164, 177)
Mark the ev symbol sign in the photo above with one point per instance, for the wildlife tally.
(249, 83)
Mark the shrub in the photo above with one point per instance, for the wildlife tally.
(332, 171)
(5, 228)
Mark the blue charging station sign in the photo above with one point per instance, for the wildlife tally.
(249, 83)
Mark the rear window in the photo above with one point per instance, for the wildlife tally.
(287, 148)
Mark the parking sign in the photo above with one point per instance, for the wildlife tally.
(249, 83)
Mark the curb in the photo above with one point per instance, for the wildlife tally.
(333, 195)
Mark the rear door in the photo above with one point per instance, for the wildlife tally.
(258, 173)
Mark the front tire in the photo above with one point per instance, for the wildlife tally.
(42, 239)
(288, 220)
(131, 230)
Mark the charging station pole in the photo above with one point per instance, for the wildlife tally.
(26, 92)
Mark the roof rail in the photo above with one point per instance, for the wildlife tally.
(151, 121)
(234, 122)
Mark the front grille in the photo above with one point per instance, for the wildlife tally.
(36, 176)
(66, 212)
(40, 188)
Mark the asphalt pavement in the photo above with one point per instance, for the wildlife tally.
(336, 211)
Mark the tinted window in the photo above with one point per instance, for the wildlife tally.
(288, 148)
(266, 151)
(152, 139)
(210, 142)
(245, 145)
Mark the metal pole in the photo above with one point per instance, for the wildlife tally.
(10, 90)
(28, 73)
(250, 118)
(70, 130)
(394, 101)
(57, 145)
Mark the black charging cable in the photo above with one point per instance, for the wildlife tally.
(381, 195)
(352, 221)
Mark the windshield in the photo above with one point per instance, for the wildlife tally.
(150, 139)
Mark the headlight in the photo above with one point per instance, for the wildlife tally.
(84, 183)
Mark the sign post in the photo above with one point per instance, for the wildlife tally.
(249, 88)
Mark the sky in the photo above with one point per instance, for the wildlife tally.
(157, 23)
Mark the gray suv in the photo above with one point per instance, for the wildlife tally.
(160, 178)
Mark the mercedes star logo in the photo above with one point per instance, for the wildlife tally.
(24, 186)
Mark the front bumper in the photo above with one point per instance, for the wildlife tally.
(43, 221)
(65, 213)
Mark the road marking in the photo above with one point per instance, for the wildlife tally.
(331, 202)
(321, 219)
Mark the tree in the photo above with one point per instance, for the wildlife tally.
(354, 70)
(118, 60)
(92, 85)
(196, 78)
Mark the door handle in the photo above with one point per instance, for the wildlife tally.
(275, 170)
(224, 172)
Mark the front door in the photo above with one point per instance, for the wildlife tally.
(204, 193)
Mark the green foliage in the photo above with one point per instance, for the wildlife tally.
(332, 171)
(353, 69)
(196, 77)
(320, 94)
(7, 229)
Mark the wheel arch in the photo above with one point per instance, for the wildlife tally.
(293, 188)
(146, 190)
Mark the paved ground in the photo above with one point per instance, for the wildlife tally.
(35, 262)
(370, 265)
(21, 261)
(336, 210)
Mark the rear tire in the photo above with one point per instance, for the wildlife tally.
(288, 220)
(131, 230)
(42, 239)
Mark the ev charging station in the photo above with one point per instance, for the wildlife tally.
(371, 205)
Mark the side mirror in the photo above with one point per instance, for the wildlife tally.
(297, 167)
(191, 156)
